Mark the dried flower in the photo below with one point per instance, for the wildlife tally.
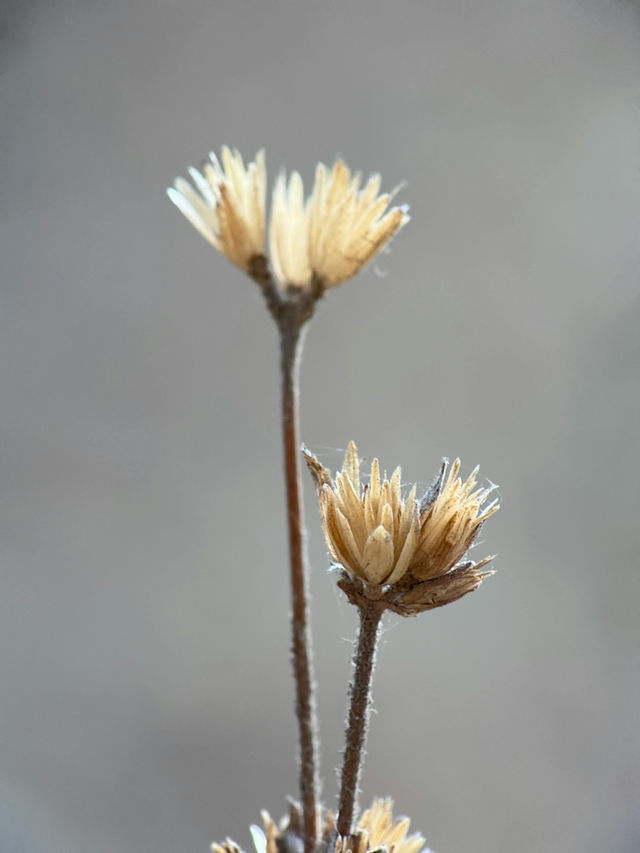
(317, 243)
(450, 518)
(371, 531)
(408, 555)
(383, 831)
(335, 233)
(376, 829)
(227, 206)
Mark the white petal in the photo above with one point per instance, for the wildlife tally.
(193, 216)
(203, 185)
(259, 838)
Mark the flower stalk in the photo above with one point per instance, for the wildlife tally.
(291, 346)
(291, 312)
(359, 712)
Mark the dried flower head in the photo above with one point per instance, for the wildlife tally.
(408, 555)
(370, 530)
(227, 204)
(383, 831)
(335, 233)
(314, 243)
(450, 518)
(377, 830)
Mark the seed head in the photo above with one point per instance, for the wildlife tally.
(406, 554)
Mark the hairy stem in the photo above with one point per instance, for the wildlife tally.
(301, 632)
(359, 711)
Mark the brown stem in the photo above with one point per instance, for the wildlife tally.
(301, 633)
(292, 308)
(359, 711)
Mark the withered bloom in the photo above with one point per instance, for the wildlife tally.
(227, 204)
(376, 829)
(371, 531)
(409, 555)
(314, 243)
(381, 830)
(335, 233)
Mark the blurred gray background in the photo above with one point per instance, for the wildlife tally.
(146, 696)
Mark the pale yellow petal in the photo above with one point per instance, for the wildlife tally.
(333, 531)
(370, 190)
(369, 511)
(377, 559)
(407, 553)
(351, 466)
(375, 482)
(187, 209)
(351, 506)
(396, 482)
(386, 519)
(408, 514)
(203, 186)
(348, 539)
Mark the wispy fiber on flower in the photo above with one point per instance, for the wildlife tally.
(318, 242)
(227, 204)
(407, 554)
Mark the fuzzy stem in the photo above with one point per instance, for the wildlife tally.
(291, 346)
(359, 711)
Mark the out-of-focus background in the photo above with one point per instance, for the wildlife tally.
(146, 695)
